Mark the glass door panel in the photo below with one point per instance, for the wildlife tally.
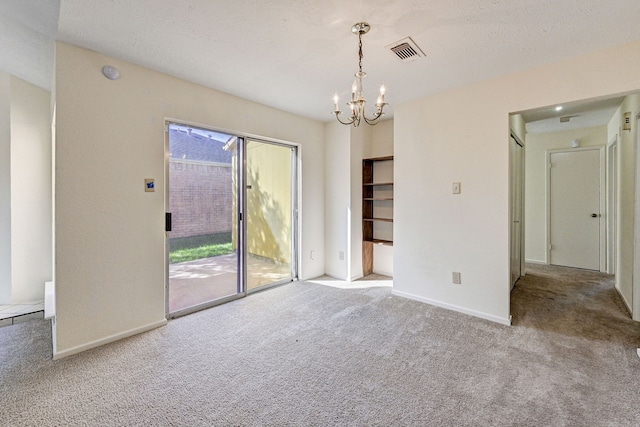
(202, 198)
(270, 203)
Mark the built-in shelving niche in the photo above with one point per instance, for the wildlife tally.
(377, 207)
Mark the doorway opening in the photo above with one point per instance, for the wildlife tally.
(570, 128)
(231, 216)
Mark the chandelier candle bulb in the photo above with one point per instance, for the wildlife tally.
(336, 99)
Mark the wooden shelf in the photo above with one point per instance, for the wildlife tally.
(379, 159)
(378, 219)
(377, 199)
(380, 242)
(375, 184)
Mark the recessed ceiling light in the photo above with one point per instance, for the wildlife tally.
(559, 107)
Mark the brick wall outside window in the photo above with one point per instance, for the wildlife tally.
(200, 198)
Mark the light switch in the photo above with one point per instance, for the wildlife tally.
(456, 188)
(149, 185)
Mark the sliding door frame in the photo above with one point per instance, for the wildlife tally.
(294, 193)
(240, 213)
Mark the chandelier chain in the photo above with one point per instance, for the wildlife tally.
(360, 51)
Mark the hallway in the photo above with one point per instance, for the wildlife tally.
(577, 303)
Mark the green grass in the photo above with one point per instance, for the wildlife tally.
(182, 255)
(198, 247)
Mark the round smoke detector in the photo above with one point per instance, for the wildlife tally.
(110, 72)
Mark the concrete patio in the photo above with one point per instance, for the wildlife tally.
(196, 282)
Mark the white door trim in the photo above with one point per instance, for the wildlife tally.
(613, 167)
(519, 142)
(602, 218)
(635, 291)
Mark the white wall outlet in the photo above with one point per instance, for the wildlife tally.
(457, 280)
(456, 188)
(341, 255)
(312, 255)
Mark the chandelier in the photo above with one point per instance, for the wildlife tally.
(357, 103)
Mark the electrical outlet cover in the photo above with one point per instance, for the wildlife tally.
(457, 280)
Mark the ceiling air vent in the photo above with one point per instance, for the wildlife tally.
(565, 119)
(406, 50)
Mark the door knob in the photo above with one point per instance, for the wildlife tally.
(594, 215)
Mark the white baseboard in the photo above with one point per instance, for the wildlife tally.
(338, 276)
(383, 272)
(500, 320)
(624, 300)
(78, 349)
(535, 261)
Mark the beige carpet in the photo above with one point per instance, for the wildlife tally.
(306, 354)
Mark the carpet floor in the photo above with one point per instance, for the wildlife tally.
(305, 354)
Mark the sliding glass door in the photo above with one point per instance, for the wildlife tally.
(233, 216)
(204, 261)
(270, 204)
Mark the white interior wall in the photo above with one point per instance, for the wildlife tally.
(361, 138)
(626, 199)
(337, 198)
(536, 148)
(345, 148)
(109, 233)
(462, 135)
(632, 104)
(31, 261)
(382, 139)
(5, 188)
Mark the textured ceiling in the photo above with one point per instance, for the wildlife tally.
(294, 54)
(27, 31)
(581, 114)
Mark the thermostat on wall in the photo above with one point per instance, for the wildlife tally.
(149, 185)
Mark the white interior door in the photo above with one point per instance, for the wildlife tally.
(516, 161)
(574, 208)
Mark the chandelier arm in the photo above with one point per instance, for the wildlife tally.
(373, 120)
(337, 114)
